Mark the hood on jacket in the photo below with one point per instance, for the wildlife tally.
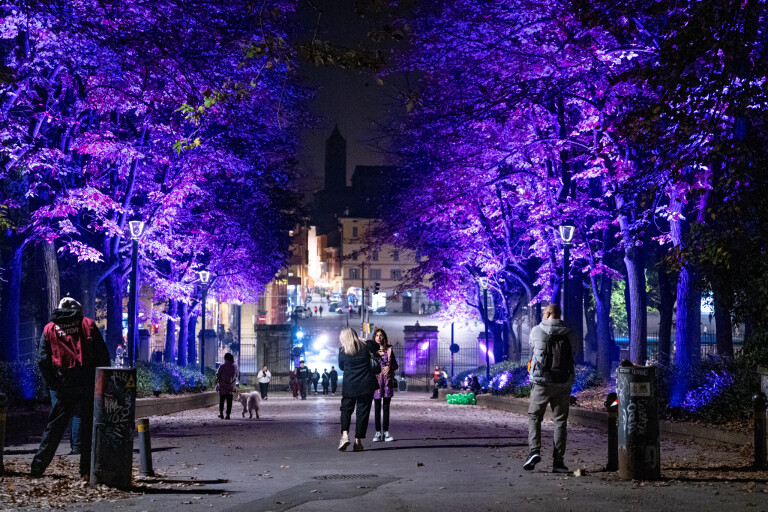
(62, 316)
(554, 326)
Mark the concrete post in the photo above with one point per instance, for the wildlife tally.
(145, 448)
(638, 435)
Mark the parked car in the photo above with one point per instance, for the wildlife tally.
(302, 312)
(333, 306)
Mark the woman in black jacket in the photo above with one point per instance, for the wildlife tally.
(357, 388)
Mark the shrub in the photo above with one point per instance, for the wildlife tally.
(21, 381)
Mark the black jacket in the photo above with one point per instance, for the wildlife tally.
(359, 380)
(303, 373)
(334, 376)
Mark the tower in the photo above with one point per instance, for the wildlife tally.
(335, 161)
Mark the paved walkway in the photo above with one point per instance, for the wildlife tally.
(444, 458)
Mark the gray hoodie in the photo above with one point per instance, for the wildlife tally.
(538, 340)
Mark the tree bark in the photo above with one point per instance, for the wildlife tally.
(634, 259)
(50, 264)
(11, 301)
(169, 353)
(576, 312)
(590, 338)
(666, 307)
(183, 310)
(88, 286)
(723, 327)
(114, 293)
(192, 340)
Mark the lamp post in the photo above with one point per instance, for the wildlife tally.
(483, 280)
(137, 228)
(205, 276)
(566, 235)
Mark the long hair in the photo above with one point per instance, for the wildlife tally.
(350, 343)
(383, 333)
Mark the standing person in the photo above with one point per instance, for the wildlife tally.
(226, 383)
(315, 309)
(436, 374)
(264, 377)
(334, 380)
(326, 381)
(315, 379)
(359, 385)
(293, 383)
(321, 310)
(304, 376)
(387, 384)
(69, 351)
(552, 374)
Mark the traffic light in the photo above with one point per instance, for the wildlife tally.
(376, 288)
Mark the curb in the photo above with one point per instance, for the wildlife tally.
(599, 419)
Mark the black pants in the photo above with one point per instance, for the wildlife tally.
(325, 389)
(73, 401)
(334, 383)
(377, 415)
(363, 404)
(303, 388)
(263, 389)
(228, 399)
(314, 384)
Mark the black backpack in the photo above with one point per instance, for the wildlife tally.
(558, 359)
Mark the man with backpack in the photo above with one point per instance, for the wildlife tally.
(552, 374)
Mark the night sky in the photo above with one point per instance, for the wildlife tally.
(350, 98)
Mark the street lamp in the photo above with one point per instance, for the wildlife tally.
(483, 280)
(566, 235)
(205, 276)
(136, 228)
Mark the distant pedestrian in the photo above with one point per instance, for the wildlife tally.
(326, 381)
(334, 380)
(305, 377)
(70, 349)
(293, 383)
(552, 375)
(315, 309)
(351, 311)
(387, 384)
(436, 375)
(226, 383)
(315, 379)
(474, 385)
(359, 385)
(264, 377)
(321, 310)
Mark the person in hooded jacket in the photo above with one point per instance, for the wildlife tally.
(546, 392)
(69, 351)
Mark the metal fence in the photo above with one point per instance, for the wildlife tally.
(708, 344)
(417, 365)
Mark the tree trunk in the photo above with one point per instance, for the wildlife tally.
(114, 289)
(687, 317)
(590, 338)
(183, 310)
(601, 289)
(169, 353)
(11, 300)
(88, 286)
(634, 259)
(666, 307)
(576, 314)
(723, 327)
(50, 265)
(192, 340)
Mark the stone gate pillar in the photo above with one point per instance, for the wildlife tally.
(420, 344)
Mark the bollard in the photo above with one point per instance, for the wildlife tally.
(758, 405)
(638, 423)
(145, 448)
(612, 406)
(114, 407)
(3, 411)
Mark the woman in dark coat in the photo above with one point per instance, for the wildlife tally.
(293, 382)
(358, 386)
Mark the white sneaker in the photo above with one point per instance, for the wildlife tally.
(343, 443)
(388, 437)
(377, 437)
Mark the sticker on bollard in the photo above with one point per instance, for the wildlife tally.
(638, 423)
(114, 408)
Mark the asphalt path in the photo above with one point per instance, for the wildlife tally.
(444, 458)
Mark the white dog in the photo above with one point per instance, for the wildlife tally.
(251, 402)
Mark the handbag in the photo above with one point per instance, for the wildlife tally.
(374, 363)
